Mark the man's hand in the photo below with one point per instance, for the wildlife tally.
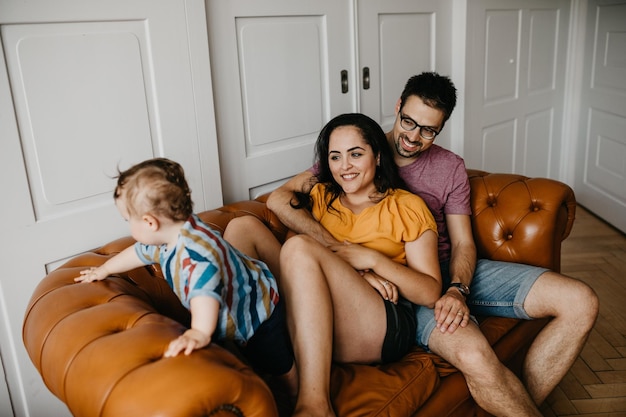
(187, 342)
(451, 312)
(92, 274)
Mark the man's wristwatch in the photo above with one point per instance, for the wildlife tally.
(463, 289)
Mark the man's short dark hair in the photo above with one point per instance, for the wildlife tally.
(437, 91)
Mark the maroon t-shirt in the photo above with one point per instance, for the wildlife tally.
(439, 177)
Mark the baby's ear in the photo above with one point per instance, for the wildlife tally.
(151, 221)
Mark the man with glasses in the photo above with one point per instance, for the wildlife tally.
(482, 287)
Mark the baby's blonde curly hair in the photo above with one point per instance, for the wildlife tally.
(155, 186)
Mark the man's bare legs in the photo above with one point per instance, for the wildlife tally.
(492, 385)
(332, 313)
(574, 308)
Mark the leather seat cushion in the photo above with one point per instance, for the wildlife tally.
(394, 390)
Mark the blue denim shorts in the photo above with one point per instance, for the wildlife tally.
(498, 289)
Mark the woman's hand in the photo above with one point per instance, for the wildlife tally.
(362, 259)
(187, 342)
(359, 257)
(387, 289)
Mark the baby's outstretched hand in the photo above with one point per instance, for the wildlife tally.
(187, 342)
(92, 274)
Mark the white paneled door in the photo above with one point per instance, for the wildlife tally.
(87, 87)
(282, 68)
(515, 85)
(396, 40)
(601, 161)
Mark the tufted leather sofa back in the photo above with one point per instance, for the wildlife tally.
(520, 219)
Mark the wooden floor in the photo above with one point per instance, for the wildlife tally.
(596, 385)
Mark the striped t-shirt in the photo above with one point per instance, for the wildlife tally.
(203, 263)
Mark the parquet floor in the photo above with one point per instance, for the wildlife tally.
(596, 385)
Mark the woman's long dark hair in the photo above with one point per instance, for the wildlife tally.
(386, 177)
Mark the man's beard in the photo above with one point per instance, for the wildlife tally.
(403, 152)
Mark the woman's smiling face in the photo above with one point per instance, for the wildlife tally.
(352, 161)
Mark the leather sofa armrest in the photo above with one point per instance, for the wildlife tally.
(521, 219)
(99, 346)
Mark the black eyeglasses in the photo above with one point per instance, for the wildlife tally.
(408, 124)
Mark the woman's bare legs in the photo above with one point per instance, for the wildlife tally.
(332, 313)
(252, 237)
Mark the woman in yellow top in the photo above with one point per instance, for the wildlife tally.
(350, 302)
(356, 295)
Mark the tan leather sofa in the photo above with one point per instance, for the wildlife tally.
(99, 346)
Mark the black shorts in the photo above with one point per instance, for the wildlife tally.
(401, 329)
(269, 349)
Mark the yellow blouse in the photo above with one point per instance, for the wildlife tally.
(398, 218)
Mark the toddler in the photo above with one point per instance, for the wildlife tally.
(231, 295)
